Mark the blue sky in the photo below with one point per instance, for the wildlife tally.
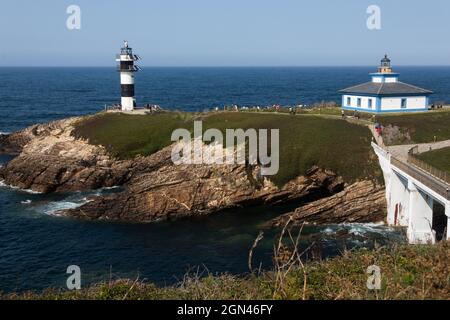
(225, 32)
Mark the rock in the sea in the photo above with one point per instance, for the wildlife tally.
(189, 190)
(13, 143)
(51, 159)
(363, 201)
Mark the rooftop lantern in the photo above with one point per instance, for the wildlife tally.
(385, 66)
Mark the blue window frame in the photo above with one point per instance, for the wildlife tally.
(349, 101)
(404, 103)
(370, 103)
(359, 102)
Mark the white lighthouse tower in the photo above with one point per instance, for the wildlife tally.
(127, 68)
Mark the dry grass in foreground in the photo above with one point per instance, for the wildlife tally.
(407, 272)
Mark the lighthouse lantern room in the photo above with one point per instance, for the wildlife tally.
(127, 68)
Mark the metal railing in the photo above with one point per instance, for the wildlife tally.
(441, 188)
(440, 174)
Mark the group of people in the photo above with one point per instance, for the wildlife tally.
(355, 114)
(274, 107)
(153, 107)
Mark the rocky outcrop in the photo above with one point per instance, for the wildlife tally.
(51, 159)
(13, 143)
(363, 201)
(393, 135)
(178, 191)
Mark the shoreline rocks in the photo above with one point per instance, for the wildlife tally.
(179, 191)
(50, 159)
(362, 201)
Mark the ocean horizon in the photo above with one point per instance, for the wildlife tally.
(39, 94)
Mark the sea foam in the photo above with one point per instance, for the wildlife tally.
(5, 185)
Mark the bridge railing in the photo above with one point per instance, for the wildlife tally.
(380, 149)
(444, 176)
(442, 189)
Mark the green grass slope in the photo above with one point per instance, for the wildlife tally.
(421, 127)
(439, 159)
(126, 136)
(304, 140)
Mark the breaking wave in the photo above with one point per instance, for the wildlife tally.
(4, 185)
(72, 201)
(359, 229)
(54, 208)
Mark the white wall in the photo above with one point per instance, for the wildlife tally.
(391, 79)
(381, 79)
(412, 103)
(398, 201)
(447, 213)
(126, 78)
(125, 57)
(377, 79)
(364, 102)
(412, 201)
(420, 216)
(127, 103)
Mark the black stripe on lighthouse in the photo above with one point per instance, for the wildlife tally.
(127, 90)
(126, 65)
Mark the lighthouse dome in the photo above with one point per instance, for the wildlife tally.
(385, 66)
(385, 62)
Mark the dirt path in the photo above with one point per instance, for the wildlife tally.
(401, 151)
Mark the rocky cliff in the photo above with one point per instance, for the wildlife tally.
(363, 201)
(50, 159)
(177, 191)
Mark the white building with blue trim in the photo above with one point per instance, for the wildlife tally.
(385, 93)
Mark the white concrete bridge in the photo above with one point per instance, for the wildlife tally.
(416, 199)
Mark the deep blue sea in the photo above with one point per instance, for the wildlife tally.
(36, 246)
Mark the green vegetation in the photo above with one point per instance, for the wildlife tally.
(407, 272)
(126, 136)
(336, 111)
(416, 127)
(439, 159)
(328, 142)
(310, 140)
